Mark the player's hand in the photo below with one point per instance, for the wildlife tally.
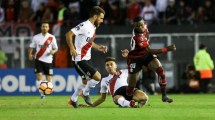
(52, 52)
(31, 57)
(171, 47)
(103, 48)
(124, 53)
(73, 52)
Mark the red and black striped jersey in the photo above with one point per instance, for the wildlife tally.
(139, 43)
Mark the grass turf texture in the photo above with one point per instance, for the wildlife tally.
(184, 107)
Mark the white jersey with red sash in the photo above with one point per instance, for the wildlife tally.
(43, 45)
(84, 36)
(113, 82)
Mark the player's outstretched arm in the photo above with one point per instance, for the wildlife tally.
(101, 48)
(159, 51)
(100, 100)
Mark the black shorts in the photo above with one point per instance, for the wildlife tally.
(135, 64)
(122, 91)
(85, 69)
(46, 68)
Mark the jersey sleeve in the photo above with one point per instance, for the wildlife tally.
(79, 29)
(104, 86)
(33, 43)
(54, 43)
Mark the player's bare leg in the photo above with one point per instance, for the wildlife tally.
(48, 78)
(156, 66)
(132, 80)
(140, 97)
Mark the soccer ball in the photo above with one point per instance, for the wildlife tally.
(46, 88)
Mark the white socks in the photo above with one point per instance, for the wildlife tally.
(75, 95)
(90, 84)
(123, 102)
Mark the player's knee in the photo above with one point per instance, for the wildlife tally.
(84, 81)
(97, 76)
(143, 97)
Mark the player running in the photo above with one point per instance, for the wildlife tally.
(142, 54)
(46, 46)
(80, 40)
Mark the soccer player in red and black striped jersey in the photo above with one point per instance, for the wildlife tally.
(80, 40)
(141, 54)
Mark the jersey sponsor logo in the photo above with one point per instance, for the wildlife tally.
(90, 39)
(43, 46)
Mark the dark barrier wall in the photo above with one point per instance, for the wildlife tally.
(103, 29)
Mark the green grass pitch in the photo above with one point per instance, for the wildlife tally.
(184, 107)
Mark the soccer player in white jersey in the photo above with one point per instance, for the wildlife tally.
(116, 83)
(80, 41)
(46, 46)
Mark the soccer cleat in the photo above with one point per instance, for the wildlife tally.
(132, 103)
(87, 98)
(43, 97)
(166, 99)
(74, 104)
(142, 103)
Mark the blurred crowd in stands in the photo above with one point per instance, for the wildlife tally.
(118, 12)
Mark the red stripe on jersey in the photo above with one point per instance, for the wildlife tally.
(85, 49)
(43, 49)
(113, 82)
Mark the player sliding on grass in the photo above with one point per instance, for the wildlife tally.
(116, 83)
(142, 54)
